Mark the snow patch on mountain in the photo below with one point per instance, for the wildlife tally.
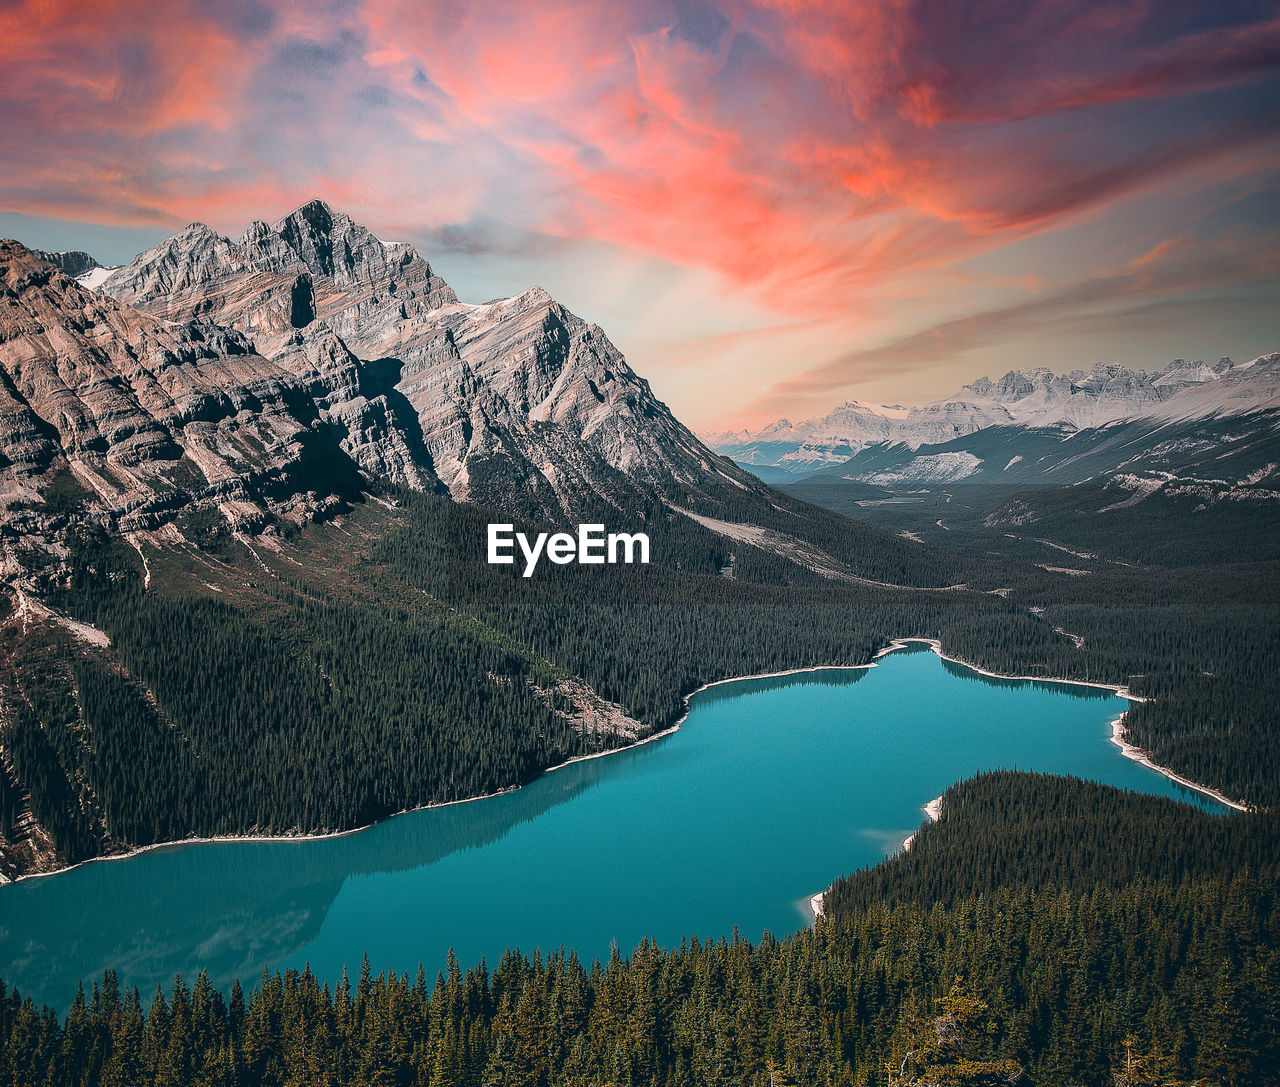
(1141, 486)
(931, 469)
(96, 277)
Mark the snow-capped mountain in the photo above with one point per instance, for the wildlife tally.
(1208, 433)
(813, 443)
(1036, 398)
(78, 264)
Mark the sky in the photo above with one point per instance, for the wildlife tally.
(771, 206)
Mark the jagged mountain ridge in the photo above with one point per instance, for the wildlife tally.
(1035, 398)
(144, 416)
(518, 404)
(1201, 474)
(75, 262)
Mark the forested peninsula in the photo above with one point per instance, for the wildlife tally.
(1013, 943)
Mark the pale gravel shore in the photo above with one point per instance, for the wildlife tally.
(719, 683)
(1117, 726)
(137, 851)
(933, 810)
(902, 643)
(1138, 755)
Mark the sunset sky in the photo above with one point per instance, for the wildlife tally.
(771, 206)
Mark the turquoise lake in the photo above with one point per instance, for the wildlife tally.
(770, 790)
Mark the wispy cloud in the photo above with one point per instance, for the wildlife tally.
(823, 157)
(1168, 276)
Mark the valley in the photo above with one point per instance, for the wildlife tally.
(248, 494)
(146, 551)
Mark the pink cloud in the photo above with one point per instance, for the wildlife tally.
(820, 154)
(654, 148)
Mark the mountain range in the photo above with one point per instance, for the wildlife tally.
(1033, 399)
(263, 376)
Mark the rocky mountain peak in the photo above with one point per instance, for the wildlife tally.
(141, 416)
(194, 256)
(315, 212)
(312, 264)
(75, 262)
(329, 244)
(517, 404)
(323, 246)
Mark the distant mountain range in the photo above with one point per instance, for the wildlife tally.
(1033, 399)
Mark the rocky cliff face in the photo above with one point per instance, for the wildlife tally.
(517, 404)
(373, 424)
(142, 417)
(75, 262)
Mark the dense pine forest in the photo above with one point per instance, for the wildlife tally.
(380, 664)
(1044, 931)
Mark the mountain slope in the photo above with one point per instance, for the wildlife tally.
(140, 417)
(1232, 452)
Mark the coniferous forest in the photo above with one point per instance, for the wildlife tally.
(994, 951)
(1044, 931)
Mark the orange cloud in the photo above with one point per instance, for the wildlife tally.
(829, 157)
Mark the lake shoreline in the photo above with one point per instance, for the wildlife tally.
(813, 903)
(933, 810)
(1129, 751)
